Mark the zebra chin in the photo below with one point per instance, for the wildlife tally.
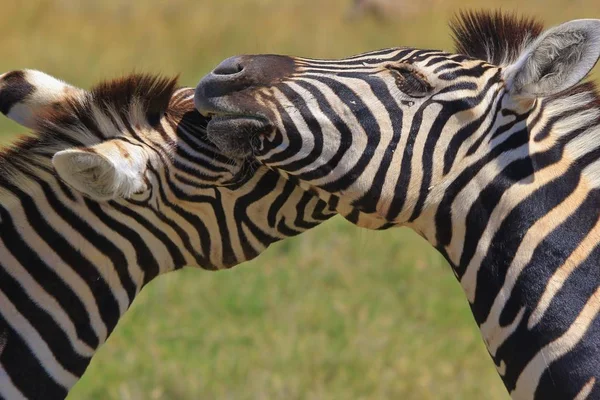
(236, 136)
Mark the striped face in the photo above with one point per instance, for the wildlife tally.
(391, 121)
(116, 186)
(378, 131)
(492, 155)
(138, 145)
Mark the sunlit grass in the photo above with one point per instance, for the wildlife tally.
(337, 313)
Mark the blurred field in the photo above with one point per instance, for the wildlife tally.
(338, 313)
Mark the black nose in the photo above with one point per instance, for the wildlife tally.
(231, 66)
(239, 73)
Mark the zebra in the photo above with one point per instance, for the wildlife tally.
(116, 186)
(491, 153)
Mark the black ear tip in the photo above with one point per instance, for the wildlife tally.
(14, 88)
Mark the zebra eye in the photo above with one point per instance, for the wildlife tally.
(410, 81)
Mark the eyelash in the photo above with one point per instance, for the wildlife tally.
(410, 82)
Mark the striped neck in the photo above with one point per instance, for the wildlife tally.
(490, 153)
(158, 196)
(519, 223)
(64, 276)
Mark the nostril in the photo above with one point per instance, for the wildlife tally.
(231, 66)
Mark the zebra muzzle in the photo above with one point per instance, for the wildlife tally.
(237, 136)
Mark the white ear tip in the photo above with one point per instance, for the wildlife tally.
(589, 26)
(585, 22)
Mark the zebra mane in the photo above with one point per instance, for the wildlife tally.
(495, 37)
(151, 93)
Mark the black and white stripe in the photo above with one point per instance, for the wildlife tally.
(492, 154)
(158, 197)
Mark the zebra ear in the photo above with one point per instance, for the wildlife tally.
(110, 170)
(557, 60)
(27, 94)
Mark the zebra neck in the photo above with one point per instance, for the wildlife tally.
(69, 268)
(522, 234)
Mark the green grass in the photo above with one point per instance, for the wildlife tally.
(337, 313)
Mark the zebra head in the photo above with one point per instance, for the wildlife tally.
(381, 130)
(137, 147)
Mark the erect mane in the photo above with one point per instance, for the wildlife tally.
(495, 37)
(153, 92)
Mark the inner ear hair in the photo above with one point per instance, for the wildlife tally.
(559, 59)
(109, 170)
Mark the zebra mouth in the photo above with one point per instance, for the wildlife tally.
(236, 122)
(236, 136)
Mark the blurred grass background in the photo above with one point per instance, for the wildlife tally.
(337, 313)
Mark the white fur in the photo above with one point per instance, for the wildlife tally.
(113, 169)
(559, 59)
(48, 91)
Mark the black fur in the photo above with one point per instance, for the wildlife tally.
(14, 89)
(494, 37)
